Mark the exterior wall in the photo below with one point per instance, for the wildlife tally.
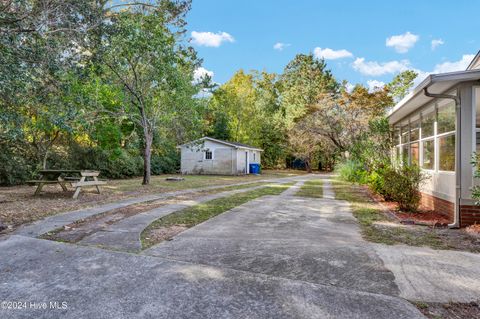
(193, 159)
(440, 185)
(242, 165)
(437, 204)
(438, 192)
(469, 215)
(254, 156)
(227, 160)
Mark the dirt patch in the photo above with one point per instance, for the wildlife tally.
(78, 230)
(160, 234)
(449, 310)
(473, 229)
(19, 205)
(426, 217)
(423, 216)
(380, 225)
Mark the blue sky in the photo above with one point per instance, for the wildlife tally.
(368, 41)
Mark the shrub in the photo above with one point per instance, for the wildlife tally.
(402, 185)
(14, 168)
(476, 189)
(352, 171)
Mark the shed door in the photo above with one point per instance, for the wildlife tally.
(246, 162)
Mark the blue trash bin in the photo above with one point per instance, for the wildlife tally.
(254, 168)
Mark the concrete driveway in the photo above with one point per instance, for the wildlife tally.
(275, 257)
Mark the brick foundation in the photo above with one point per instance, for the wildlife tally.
(469, 214)
(439, 205)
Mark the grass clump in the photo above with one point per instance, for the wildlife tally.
(376, 226)
(197, 214)
(312, 188)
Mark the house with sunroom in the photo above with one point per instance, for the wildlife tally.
(437, 126)
(212, 156)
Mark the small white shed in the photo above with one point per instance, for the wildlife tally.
(211, 156)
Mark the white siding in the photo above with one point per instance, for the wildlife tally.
(193, 159)
(242, 167)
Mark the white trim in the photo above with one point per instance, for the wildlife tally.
(475, 181)
(222, 142)
(443, 81)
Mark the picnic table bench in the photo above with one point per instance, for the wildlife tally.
(56, 176)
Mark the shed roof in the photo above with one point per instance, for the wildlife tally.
(232, 144)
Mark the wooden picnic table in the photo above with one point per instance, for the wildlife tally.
(57, 176)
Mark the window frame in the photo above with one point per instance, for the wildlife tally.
(404, 125)
(205, 155)
(437, 157)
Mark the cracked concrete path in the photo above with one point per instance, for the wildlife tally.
(275, 257)
(314, 240)
(96, 283)
(50, 223)
(433, 275)
(125, 234)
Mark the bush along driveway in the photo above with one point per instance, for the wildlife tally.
(274, 256)
(432, 266)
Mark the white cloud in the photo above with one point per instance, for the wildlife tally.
(329, 54)
(402, 42)
(445, 67)
(436, 43)
(349, 87)
(210, 39)
(374, 85)
(460, 65)
(374, 68)
(279, 46)
(200, 73)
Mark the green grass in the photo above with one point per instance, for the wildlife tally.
(197, 214)
(158, 183)
(368, 213)
(313, 188)
(233, 187)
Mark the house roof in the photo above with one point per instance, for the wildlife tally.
(475, 64)
(436, 83)
(232, 144)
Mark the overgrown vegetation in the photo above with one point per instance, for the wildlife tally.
(18, 206)
(370, 162)
(371, 217)
(197, 214)
(377, 227)
(116, 86)
(312, 188)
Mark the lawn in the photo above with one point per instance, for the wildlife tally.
(377, 227)
(166, 227)
(19, 205)
(313, 188)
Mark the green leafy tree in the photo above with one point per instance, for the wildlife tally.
(303, 80)
(146, 60)
(401, 84)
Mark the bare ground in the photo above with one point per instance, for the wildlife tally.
(76, 231)
(449, 310)
(18, 205)
(165, 232)
(379, 225)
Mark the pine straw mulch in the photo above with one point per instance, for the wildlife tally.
(452, 310)
(429, 230)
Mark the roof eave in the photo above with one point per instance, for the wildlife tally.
(454, 77)
(222, 142)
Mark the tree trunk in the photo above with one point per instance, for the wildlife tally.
(147, 154)
(44, 160)
(308, 166)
